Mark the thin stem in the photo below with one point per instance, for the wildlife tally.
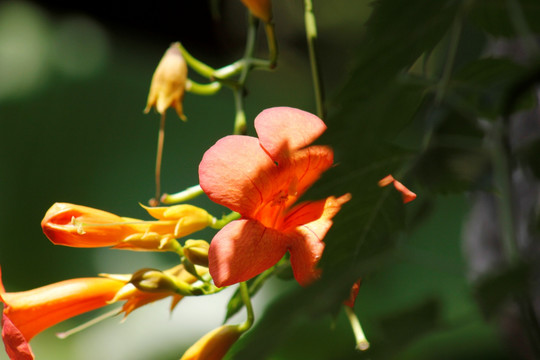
(244, 293)
(195, 64)
(501, 166)
(272, 44)
(159, 155)
(203, 89)
(184, 195)
(86, 325)
(360, 337)
(218, 224)
(311, 34)
(240, 127)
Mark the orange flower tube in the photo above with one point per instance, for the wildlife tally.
(214, 345)
(27, 313)
(82, 226)
(260, 8)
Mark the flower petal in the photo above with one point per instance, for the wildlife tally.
(35, 310)
(243, 249)
(82, 226)
(238, 174)
(305, 241)
(16, 345)
(283, 129)
(307, 166)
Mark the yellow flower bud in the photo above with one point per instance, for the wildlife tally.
(214, 345)
(168, 83)
(187, 218)
(196, 251)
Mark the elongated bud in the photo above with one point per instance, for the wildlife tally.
(214, 345)
(196, 251)
(82, 226)
(155, 281)
(260, 8)
(168, 83)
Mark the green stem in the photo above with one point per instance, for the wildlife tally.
(272, 44)
(502, 170)
(195, 64)
(244, 293)
(218, 224)
(182, 196)
(240, 127)
(311, 33)
(203, 89)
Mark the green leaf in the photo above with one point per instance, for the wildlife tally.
(411, 323)
(397, 33)
(496, 18)
(484, 87)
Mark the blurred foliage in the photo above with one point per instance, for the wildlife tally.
(416, 90)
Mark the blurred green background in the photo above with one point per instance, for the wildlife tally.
(73, 84)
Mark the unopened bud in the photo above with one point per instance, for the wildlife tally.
(260, 8)
(196, 251)
(168, 83)
(155, 281)
(215, 344)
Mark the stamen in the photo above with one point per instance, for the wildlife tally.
(86, 325)
(361, 341)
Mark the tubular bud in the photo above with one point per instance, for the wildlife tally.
(196, 251)
(168, 83)
(260, 8)
(215, 344)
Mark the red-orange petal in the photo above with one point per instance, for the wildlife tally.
(16, 345)
(305, 242)
(242, 250)
(282, 130)
(238, 174)
(406, 194)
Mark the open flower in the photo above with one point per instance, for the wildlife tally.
(82, 226)
(262, 179)
(27, 313)
(214, 345)
(168, 83)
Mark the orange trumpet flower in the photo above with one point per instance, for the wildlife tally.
(82, 226)
(27, 313)
(262, 179)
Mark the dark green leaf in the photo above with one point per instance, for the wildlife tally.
(498, 19)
